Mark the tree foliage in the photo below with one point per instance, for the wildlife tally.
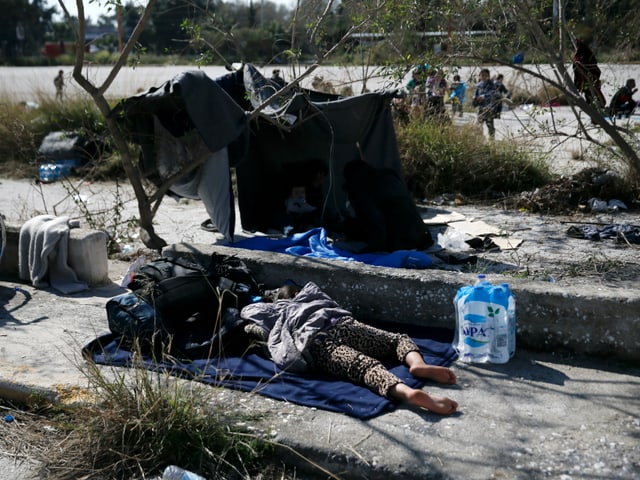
(23, 27)
(439, 32)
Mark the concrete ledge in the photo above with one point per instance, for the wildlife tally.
(602, 322)
(87, 255)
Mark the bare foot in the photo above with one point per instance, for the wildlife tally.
(418, 398)
(437, 374)
(419, 369)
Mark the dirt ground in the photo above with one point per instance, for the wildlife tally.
(533, 245)
(532, 226)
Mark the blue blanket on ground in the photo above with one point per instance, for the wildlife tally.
(252, 372)
(314, 243)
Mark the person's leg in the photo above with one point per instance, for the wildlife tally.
(380, 344)
(420, 398)
(490, 126)
(343, 361)
(374, 342)
(330, 355)
(419, 369)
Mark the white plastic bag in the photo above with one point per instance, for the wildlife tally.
(453, 239)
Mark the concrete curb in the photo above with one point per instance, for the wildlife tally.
(596, 321)
(23, 393)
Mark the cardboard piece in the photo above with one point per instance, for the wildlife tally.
(443, 217)
(476, 228)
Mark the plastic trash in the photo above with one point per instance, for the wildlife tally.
(615, 205)
(131, 271)
(173, 472)
(597, 205)
(453, 239)
(50, 172)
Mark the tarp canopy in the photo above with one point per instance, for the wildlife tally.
(193, 118)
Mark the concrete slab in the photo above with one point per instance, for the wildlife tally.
(542, 415)
(567, 406)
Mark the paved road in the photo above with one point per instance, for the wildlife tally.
(32, 83)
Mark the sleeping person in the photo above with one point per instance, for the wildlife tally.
(306, 330)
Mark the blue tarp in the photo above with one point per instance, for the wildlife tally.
(314, 243)
(252, 372)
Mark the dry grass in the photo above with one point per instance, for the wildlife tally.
(439, 158)
(130, 423)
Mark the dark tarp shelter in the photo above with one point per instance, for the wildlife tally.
(193, 118)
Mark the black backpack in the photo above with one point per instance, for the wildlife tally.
(183, 307)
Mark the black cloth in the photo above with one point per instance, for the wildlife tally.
(318, 126)
(387, 217)
(623, 233)
(586, 74)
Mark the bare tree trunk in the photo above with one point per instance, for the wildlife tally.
(566, 86)
(146, 206)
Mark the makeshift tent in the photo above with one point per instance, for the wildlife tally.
(193, 118)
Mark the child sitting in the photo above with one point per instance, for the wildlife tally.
(300, 214)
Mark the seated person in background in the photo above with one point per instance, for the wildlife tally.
(622, 103)
(315, 183)
(306, 330)
(277, 78)
(300, 214)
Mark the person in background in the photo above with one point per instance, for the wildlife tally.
(277, 78)
(458, 94)
(502, 92)
(299, 213)
(436, 90)
(416, 87)
(59, 84)
(485, 98)
(306, 330)
(586, 74)
(622, 102)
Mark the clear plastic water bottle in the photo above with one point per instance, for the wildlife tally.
(499, 314)
(173, 472)
(511, 315)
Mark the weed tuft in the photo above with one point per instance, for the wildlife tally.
(139, 421)
(442, 158)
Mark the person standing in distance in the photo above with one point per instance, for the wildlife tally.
(59, 84)
(485, 98)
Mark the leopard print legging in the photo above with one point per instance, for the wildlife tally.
(351, 350)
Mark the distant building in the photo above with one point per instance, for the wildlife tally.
(93, 33)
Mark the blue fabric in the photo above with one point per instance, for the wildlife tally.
(314, 243)
(254, 373)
